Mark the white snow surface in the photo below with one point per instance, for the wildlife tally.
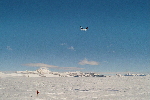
(75, 88)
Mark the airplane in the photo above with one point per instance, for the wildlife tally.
(83, 29)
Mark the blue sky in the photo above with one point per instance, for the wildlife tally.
(46, 33)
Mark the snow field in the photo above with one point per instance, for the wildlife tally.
(80, 88)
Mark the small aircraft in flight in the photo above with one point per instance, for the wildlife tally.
(83, 29)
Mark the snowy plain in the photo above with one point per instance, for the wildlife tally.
(75, 88)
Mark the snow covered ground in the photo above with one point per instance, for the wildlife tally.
(75, 88)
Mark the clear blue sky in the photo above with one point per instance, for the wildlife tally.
(47, 32)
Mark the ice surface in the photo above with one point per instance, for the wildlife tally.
(75, 88)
